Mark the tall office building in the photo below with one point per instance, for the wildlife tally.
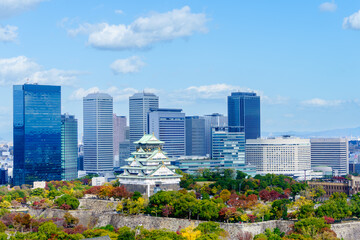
(244, 111)
(332, 152)
(213, 120)
(119, 127)
(98, 133)
(124, 153)
(69, 146)
(195, 136)
(283, 155)
(228, 144)
(37, 133)
(139, 107)
(168, 125)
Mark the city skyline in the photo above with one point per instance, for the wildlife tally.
(303, 68)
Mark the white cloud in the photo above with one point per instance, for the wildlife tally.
(10, 8)
(144, 31)
(118, 11)
(116, 93)
(214, 91)
(22, 69)
(8, 33)
(328, 7)
(128, 65)
(318, 102)
(352, 22)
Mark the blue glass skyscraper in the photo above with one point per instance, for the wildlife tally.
(244, 111)
(37, 133)
(69, 146)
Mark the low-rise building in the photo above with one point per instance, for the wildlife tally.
(338, 184)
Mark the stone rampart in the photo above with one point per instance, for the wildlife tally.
(100, 213)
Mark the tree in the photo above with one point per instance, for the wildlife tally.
(264, 195)
(136, 195)
(310, 227)
(190, 233)
(68, 200)
(225, 195)
(262, 211)
(38, 192)
(48, 228)
(207, 210)
(336, 207)
(279, 209)
(125, 233)
(70, 220)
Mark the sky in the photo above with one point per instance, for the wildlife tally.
(301, 57)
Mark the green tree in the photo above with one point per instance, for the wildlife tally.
(310, 227)
(68, 200)
(125, 233)
(48, 228)
(279, 209)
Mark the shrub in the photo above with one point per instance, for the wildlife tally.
(68, 200)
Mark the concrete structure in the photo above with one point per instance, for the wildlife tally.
(168, 125)
(213, 120)
(69, 146)
(244, 111)
(37, 133)
(119, 135)
(98, 181)
(332, 152)
(283, 155)
(149, 169)
(98, 133)
(139, 106)
(39, 184)
(193, 164)
(229, 146)
(195, 136)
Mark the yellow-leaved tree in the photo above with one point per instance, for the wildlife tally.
(190, 233)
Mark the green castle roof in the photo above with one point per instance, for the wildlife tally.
(149, 139)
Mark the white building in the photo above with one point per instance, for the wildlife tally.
(149, 169)
(332, 152)
(98, 133)
(284, 155)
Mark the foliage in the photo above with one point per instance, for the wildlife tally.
(279, 209)
(68, 200)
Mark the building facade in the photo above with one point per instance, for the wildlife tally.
(244, 111)
(98, 133)
(213, 120)
(69, 146)
(283, 155)
(332, 152)
(168, 125)
(228, 144)
(195, 136)
(124, 152)
(37, 133)
(139, 107)
(149, 169)
(119, 135)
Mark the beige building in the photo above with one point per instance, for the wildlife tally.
(283, 155)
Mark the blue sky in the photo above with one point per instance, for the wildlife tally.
(302, 57)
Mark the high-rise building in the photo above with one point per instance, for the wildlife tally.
(119, 133)
(195, 136)
(228, 144)
(332, 152)
(283, 155)
(37, 133)
(124, 153)
(168, 125)
(139, 107)
(244, 111)
(69, 146)
(213, 120)
(98, 133)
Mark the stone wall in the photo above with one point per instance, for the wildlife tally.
(100, 213)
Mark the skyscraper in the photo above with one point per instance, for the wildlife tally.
(119, 133)
(213, 120)
(244, 111)
(332, 152)
(37, 133)
(228, 144)
(168, 125)
(98, 133)
(69, 146)
(139, 106)
(195, 136)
